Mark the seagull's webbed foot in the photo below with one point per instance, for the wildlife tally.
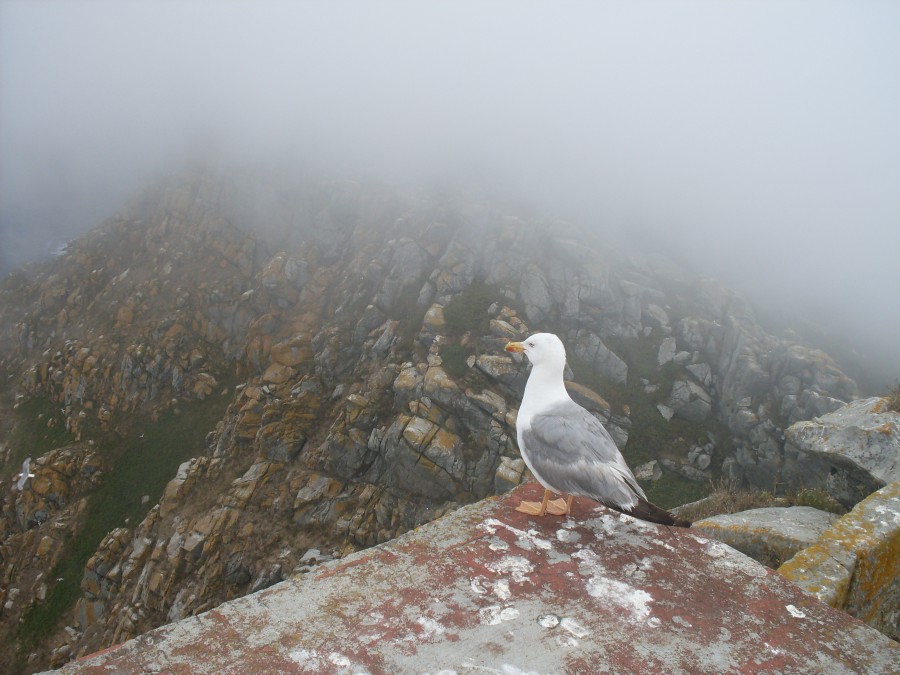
(556, 507)
(559, 507)
(531, 508)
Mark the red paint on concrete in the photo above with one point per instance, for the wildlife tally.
(488, 589)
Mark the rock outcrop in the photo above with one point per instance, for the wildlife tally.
(852, 451)
(854, 564)
(356, 334)
(490, 589)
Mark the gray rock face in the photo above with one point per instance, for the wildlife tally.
(852, 451)
(590, 348)
(756, 382)
(536, 295)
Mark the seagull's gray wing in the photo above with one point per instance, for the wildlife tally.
(572, 452)
(24, 476)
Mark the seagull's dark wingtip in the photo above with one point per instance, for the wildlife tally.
(654, 514)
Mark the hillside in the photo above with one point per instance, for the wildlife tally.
(242, 368)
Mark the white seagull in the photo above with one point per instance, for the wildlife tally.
(567, 449)
(25, 475)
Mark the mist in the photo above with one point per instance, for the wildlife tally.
(758, 141)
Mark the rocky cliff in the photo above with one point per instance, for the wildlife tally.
(277, 371)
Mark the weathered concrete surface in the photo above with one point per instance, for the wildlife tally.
(487, 589)
(771, 535)
(855, 565)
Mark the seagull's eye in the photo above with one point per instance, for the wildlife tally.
(531, 344)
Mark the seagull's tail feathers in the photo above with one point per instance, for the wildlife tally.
(652, 513)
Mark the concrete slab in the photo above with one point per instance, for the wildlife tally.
(490, 590)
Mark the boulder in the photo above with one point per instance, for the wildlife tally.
(851, 452)
(650, 471)
(855, 564)
(769, 535)
(489, 588)
(689, 401)
(666, 351)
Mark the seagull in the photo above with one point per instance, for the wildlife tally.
(23, 477)
(567, 449)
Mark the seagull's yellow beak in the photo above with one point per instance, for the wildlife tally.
(515, 347)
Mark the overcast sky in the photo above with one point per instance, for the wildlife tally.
(763, 138)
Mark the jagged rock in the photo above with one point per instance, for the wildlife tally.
(769, 535)
(501, 369)
(686, 470)
(656, 315)
(649, 471)
(852, 451)
(434, 321)
(701, 371)
(491, 403)
(505, 330)
(509, 474)
(588, 398)
(689, 401)
(535, 294)
(666, 351)
(700, 456)
(853, 566)
(590, 348)
(291, 353)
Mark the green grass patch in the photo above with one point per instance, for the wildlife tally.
(140, 464)
(672, 490)
(816, 498)
(468, 310)
(725, 499)
(453, 357)
(31, 437)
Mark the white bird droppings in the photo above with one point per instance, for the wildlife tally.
(430, 626)
(526, 540)
(509, 613)
(548, 620)
(634, 600)
(477, 587)
(498, 545)
(794, 612)
(573, 627)
(626, 596)
(501, 589)
(517, 567)
(314, 660)
(495, 615)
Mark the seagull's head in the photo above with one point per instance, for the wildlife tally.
(541, 348)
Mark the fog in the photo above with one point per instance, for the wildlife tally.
(757, 140)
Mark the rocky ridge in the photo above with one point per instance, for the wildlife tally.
(364, 329)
